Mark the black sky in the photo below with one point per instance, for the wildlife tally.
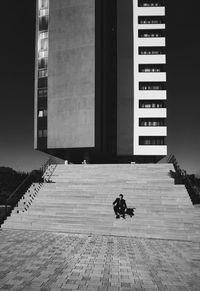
(17, 84)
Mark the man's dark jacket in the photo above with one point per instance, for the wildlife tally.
(120, 203)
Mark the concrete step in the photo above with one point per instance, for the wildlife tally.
(80, 198)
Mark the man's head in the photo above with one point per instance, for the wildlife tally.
(121, 196)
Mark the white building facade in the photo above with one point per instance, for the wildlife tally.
(149, 72)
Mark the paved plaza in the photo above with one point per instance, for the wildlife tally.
(34, 260)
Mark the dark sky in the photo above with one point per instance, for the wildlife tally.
(17, 84)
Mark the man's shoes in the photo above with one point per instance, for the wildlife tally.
(117, 216)
(123, 216)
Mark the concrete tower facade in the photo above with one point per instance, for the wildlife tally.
(100, 81)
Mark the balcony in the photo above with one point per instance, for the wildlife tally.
(151, 26)
(151, 59)
(152, 95)
(151, 41)
(155, 11)
(152, 77)
(154, 131)
(160, 150)
(152, 113)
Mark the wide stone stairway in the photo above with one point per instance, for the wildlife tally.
(79, 198)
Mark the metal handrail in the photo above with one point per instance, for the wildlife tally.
(193, 193)
(18, 193)
(24, 182)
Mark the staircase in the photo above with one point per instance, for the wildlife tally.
(79, 200)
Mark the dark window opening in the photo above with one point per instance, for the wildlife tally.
(151, 19)
(43, 23)
(152, 50)
(151, 33)
(42, 63)
(152, 104)
(42, 82)
(152, 85)
(42, 93)
(42, 123)
(42, 133)
(152, 122)
(152, 140)
(151, 3)
(152, 68)
(42, 103)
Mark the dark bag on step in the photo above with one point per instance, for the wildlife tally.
(130, 211)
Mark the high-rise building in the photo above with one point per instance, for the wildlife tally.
(100, 81)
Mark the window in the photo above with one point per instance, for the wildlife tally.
(43, 22)
(152, 86)
(151, 33)
(152, 50)
(42, 63)
(42, 54)
(152, 122)
(152, 140)
(42, 73)
(42, 82)
(42, 113)
(151, 19)
(43, 41)
(43, 35)
(42, 93)
(151, 3)
(43, 4)
(42, 103)
(43, 44)
(42, 133)
(152, 68)
(152, 104)
(43, 7)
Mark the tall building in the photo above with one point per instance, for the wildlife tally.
(100, 80)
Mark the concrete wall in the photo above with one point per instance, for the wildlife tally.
(71, 82)
(125, 77)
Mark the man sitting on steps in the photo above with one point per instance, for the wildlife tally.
(119, 206)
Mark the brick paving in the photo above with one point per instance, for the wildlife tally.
(45, 261)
